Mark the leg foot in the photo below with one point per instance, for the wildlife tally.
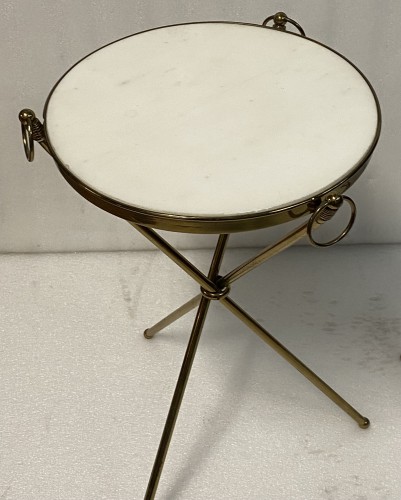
(147, 335)
(168, 320)
(365, 423)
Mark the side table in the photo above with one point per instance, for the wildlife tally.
(213, 128)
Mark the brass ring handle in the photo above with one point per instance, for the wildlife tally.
(319, 213)
(280, 19)
(26, 117)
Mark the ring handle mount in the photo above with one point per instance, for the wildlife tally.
(279, 22)
(325, 212)
(27, 117)
(32, 130)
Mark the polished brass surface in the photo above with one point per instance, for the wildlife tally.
(220, 294)
(266, 254)
(280, 19)
(184, 374)
(322, 214)
(168, 320)
(37, 130)
(215, 287)
(26, 117)
(325, 211)
(32, 130)
(218, 224)
(202, 225)
(174, 255)
(294, 361)
(232, 276)
(177, 399)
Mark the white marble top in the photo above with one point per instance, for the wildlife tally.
(211, 119)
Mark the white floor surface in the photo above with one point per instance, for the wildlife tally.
(84, 395)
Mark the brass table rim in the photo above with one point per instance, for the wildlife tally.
(213, 224)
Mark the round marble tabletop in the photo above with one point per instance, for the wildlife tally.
(211, 120)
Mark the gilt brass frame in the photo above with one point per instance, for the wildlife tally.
(321, 207)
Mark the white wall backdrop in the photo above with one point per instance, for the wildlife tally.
(40, 39)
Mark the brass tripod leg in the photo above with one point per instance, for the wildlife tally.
(184, 375)
(362, 421)
(177, 399)
(177, 314)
